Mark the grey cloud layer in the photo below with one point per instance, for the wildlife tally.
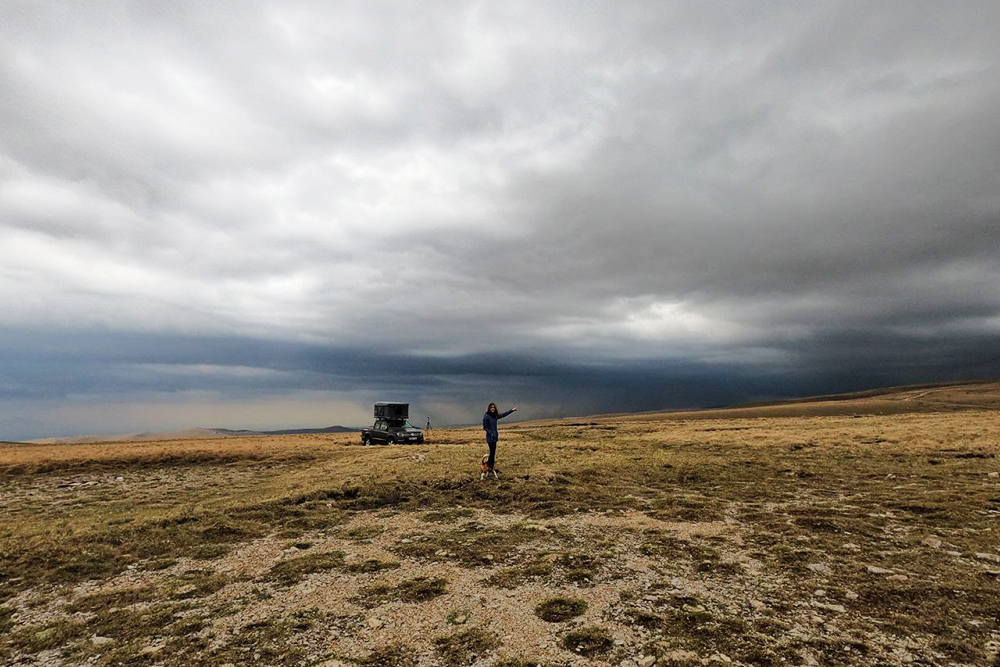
(766, 183)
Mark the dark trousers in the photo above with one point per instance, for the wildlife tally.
(490, 462)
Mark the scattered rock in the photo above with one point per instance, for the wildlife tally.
(647, 661)
(878, 570)
(897, 577)
(993, 558)
(819, 592)
(720, 657)
(680, 655)
(820, 568)
(932, 542)
(994, 474)
(375, 623)
(851, 595)
(839, 608)
(97, 640)
(852, 546)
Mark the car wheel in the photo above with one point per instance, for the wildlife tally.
(365, 441)
(390, 441)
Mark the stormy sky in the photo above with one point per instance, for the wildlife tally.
(270, 214)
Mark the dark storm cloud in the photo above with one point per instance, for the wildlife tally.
(280, 197)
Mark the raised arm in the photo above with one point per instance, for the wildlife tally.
(504, 414)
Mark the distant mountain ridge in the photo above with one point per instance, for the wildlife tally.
(188, 434)
(287, 431)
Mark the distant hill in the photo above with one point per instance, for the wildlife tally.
(187, 434)
(941, 397)
(289, 431)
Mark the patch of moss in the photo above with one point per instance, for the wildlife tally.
(196, 584)
(559, 609)
(513, 577)
(6, 619)
(421, 589)
(589, 641)
(448, 516)
(364, 533)
(371, 565)
(463, 647)
(390, 656)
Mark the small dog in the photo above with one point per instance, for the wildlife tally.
(485, 468)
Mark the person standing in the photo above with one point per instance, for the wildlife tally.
(490, 420)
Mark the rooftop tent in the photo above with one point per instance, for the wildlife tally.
(392, 410)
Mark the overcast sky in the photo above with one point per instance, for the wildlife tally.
(270, 214)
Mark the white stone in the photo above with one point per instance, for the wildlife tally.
(820, 568)
(878, 570)
(680, 655)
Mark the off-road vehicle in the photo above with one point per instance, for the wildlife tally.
(391, 427)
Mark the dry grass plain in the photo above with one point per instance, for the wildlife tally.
(859, 530)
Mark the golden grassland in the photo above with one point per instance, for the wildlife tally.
(841, 531)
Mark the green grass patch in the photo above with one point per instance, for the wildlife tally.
(364, 533)
(42, 638)
(418, 589)
(293, 570)
(120, 597)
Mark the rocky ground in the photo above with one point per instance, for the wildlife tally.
(830, 541)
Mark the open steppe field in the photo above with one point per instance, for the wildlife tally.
(860, 530)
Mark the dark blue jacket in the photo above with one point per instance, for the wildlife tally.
(490, 425)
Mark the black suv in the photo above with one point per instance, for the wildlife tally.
(392, 432)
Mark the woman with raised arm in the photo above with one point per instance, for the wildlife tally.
(490, 420)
